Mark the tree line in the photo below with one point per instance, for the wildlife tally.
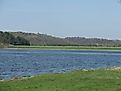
(8, 38)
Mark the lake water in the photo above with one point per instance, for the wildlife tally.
(17, 63)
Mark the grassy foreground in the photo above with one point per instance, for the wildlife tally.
(68, 47)
(98, 80)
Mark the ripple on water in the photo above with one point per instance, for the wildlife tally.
(17, 63)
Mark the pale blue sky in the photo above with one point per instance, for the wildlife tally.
(87, 18)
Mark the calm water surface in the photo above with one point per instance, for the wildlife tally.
(17, 63)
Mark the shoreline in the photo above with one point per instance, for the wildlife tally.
(79, 48)
(95, 80)
(114, 68)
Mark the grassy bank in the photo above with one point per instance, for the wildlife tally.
(99, 80)
(68, 47)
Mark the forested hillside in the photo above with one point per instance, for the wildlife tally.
(8, 38)
(22, 38)
(42, 39)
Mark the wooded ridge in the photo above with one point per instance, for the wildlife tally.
(23, 38)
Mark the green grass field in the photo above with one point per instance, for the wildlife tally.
(68, 47)
(98, 80)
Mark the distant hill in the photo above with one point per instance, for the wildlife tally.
(22, 38)
(7, 38)
(94, 41)
(42, 39)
